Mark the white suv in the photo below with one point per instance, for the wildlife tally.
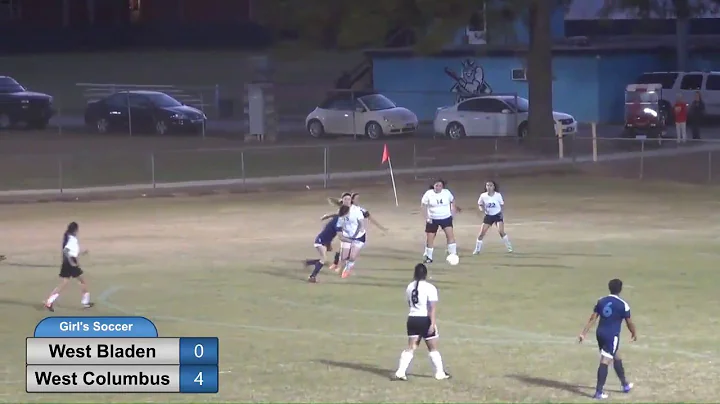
(685, 83)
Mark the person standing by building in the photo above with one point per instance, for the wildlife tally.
(681, 114)
(696, 115)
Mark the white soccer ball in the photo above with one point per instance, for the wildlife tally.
(452, 259)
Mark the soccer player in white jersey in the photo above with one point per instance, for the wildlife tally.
(422, 297)
(351, 231)
(70, 268)
(491, 203)
(438, 206)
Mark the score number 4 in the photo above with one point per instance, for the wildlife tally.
(199, 351)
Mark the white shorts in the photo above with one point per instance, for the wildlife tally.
(355, 245)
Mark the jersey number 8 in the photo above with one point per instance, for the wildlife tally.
(414, 299)
(607, 310)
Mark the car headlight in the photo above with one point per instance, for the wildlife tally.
(178, 116)
(651, 112)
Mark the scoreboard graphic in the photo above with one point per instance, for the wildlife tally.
(117, 355)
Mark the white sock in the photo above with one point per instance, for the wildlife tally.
(478, 245)
(436, 360)
(452, 248)
(507, 242)
(405, 358)
(429, 252)
(85, 298)
(52, 298)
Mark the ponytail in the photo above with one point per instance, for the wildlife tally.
(66, 237)
(419, 275)
(334, 202)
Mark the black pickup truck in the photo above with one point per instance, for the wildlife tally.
(17, 105)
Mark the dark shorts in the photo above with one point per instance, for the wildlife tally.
(436, 224)
(492, 219)
(419, 326)
(320, 241)
(608, 344)
(69, 271)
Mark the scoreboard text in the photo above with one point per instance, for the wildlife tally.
(117, 355)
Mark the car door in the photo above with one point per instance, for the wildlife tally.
(501, 117)
(115, 110)
(689, 84)
(470, 113)
(141, 113)
(340, 116)
(711, 95)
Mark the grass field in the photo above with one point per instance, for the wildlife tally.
(228, 266)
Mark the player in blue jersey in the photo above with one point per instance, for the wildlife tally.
(612, 312)
(324, 240)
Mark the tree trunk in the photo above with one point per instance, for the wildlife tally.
(539, 62)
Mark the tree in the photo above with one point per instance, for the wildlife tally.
(352, 24)
(682, 10)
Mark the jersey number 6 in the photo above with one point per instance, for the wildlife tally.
(607, 310)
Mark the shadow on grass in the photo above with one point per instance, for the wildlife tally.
(363, 367)
(23, 265)
(581, 390)
(39, 306)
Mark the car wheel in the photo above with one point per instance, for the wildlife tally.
(373, 130)
(316, 129)
(5, 121)
(161, 127)
(523, 130)
(455, 131)
(102, 125)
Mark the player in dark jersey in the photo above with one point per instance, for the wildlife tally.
(612, 311)
(323, 242)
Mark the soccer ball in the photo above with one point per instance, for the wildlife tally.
(452, 259)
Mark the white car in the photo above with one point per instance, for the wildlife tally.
(494, 115)
(362, 113)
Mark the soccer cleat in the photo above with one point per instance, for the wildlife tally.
(398, 378)
(49, 307)
(443, 376)
(509, 249)
(427, 260)
(600, 395)
(346, 273)
(476, 252)
(628, 387)
(88, 305)
(312, 279)
(3, 258)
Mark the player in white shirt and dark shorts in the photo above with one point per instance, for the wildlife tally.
(351, 231)
(438, 206)
(422, 298)
(491, 203)
(70, 268)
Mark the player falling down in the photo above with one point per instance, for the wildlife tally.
(351, 199)
(492, 204)
(612, 311)
(422, 298)
(323, 241)
(70, 268)
(438, 206)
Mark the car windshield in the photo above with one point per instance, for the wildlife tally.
(377, 102)
(520, 104)
(163, 100)
(8, 85)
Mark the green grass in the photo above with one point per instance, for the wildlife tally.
(227, 266)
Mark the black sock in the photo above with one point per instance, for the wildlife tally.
(336, 260)
(601, 377)
(620, 370)
(318, 267)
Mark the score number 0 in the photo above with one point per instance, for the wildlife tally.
(199, 351)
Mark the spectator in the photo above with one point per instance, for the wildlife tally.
(681, 114)
(696, 115)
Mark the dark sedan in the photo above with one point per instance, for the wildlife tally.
(143, 111)
(17, 105)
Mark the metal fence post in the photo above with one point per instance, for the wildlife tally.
(710, 166)
(202, 109)
(127, 99)
(217, 100)
(60, 174)
(326, 166)
(414, 160)
(242, 169)
(152, 169)
(642, 159)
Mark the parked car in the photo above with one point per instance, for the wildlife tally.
(143, 111)
(493, 115)
(17, 105)
(685, 83)
(364, 113)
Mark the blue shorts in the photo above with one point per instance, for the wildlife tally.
(319, 241)
(608, 344)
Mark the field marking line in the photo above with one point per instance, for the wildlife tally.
(547, 340)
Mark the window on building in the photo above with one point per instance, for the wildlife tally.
(691, 82)
(9, 10)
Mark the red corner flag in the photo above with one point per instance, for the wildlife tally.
(386, 154)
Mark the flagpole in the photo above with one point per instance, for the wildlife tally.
(392, 178)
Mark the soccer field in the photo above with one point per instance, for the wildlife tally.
(229, 266)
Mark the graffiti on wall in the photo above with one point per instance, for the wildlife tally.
(470, 82)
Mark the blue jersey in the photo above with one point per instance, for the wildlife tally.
(612, 311)
(328, 233)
